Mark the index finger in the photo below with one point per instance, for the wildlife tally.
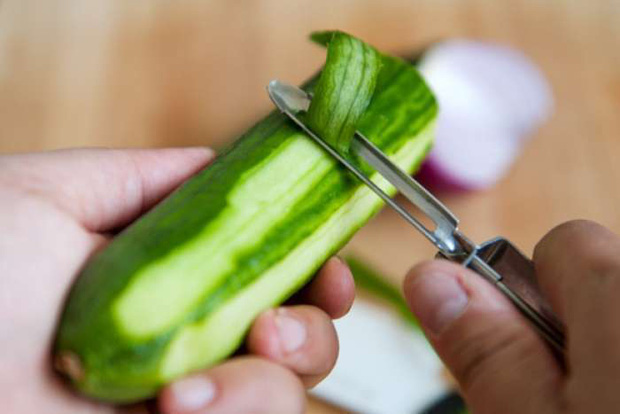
(578, 268)
(331, 290)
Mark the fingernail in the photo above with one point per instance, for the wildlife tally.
(437, 299)
(192, 393)
(291, 330)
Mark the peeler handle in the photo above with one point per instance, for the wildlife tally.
(500, 262)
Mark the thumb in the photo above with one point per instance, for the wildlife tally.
(500, 363)
(103, 189)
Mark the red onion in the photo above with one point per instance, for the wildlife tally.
(491, 99)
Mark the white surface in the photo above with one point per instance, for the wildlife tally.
(385, 365)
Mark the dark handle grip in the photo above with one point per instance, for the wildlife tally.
(514, 275)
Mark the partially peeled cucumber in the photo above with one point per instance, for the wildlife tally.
(178, 289)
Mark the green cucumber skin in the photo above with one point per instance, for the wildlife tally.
(360, 64)
(122, 368)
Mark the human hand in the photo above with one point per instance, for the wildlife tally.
(500, 363)
(57, 209)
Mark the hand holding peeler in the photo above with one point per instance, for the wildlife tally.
(497, 260)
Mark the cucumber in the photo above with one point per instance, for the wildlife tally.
(178, 289)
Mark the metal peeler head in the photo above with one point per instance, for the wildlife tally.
(288, 97)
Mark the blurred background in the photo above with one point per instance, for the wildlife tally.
(193, 72)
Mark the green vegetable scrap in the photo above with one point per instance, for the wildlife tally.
(370, 280)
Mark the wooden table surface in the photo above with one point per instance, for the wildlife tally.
(122, 73)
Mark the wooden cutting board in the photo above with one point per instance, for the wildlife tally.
(155, 73)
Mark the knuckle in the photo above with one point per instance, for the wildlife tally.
(484, 353)
(563, 232)
(594, 246)
(578, 226)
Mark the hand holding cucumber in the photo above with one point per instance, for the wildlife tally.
(57, 209)
(501, 364)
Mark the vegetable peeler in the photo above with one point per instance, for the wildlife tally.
(497, 260)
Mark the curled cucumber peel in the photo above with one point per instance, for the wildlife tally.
(344, 89)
